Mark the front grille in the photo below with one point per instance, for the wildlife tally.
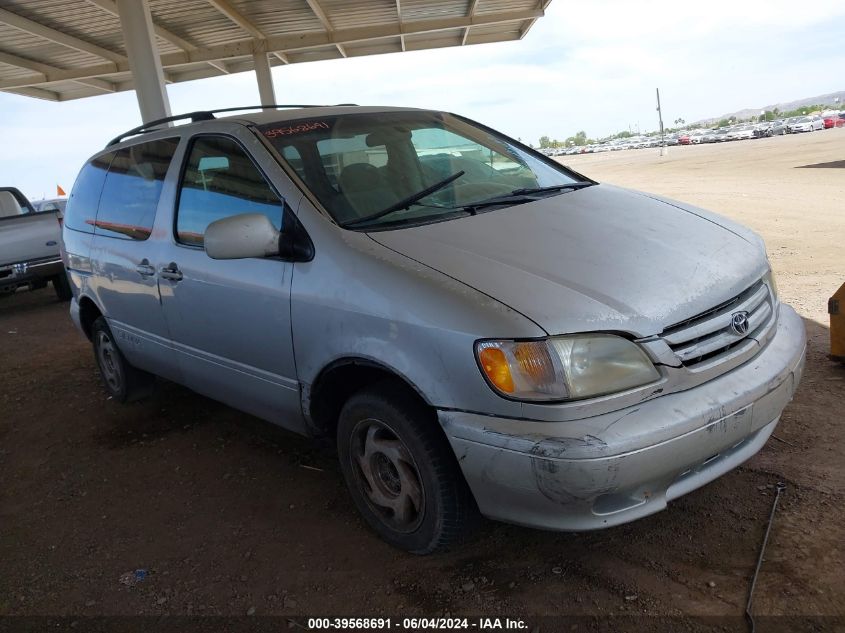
(709, 335)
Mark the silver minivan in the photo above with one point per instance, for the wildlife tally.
(479, 327)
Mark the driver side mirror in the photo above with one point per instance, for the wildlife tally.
(241, 237)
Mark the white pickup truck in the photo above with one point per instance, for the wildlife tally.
(29, 246)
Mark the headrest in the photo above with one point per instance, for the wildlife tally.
(360, 177)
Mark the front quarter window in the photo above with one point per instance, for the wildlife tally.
(221, 180)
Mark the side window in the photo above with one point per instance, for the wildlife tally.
(132, 189)
(81, 210)
(220, 180)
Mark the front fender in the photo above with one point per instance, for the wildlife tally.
(359, 299)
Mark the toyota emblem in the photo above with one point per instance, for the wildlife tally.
(739, 323)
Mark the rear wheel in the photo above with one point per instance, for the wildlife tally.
(62, 287)
(401, 471)
(124, 382)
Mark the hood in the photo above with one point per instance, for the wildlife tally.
(600, 258)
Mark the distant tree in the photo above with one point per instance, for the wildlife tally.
(579, 139)
(806, 110)
(545, 142)
(723, 123)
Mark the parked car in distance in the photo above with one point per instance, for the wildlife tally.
(763, 129)
(778, 128)
(790, 121)
(474, 324)
(834, 120)
(721, 135)
(741, 132)
(29, 246)
(807, 124)
(691, 138)
(52, 204)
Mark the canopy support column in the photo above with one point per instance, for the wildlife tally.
(265, 79)
(147, 73)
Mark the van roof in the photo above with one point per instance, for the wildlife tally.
(264, 114)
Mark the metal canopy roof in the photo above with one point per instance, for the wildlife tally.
(67, 49)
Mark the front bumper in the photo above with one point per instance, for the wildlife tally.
(574, 475)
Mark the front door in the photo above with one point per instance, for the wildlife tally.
(229, 320)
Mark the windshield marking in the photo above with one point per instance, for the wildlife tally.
(300, 128)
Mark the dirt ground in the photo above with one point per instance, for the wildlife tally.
(228, 516)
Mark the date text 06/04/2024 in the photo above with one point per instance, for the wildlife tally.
(416, 624)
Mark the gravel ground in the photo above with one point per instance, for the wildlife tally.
(224, 515)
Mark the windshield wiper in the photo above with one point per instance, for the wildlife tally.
(522, 196)
(405, 202)
(570, 185)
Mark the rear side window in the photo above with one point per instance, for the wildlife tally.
(221, 180)
(132, 189)
(81, 210)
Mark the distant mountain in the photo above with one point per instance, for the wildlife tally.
(783, 107)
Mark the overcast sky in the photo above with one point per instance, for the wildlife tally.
(589, 66)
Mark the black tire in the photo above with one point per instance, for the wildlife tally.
(410, 465)
(62, 287)
(124, 382)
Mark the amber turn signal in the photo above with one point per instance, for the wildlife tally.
(496, 368)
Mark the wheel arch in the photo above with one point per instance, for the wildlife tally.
(89, 312)
(323, 399)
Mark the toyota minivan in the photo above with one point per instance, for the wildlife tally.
(478, 327)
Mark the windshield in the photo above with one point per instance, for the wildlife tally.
(359, 165)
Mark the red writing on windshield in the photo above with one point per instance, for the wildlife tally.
(299, 128)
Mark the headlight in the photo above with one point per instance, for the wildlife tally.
(564, 367)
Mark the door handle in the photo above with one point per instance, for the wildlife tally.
(171, 272)
(144, 269)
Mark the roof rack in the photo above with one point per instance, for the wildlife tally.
(205, 115)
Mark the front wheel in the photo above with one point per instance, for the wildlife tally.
(124, 382)
(401, 471)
